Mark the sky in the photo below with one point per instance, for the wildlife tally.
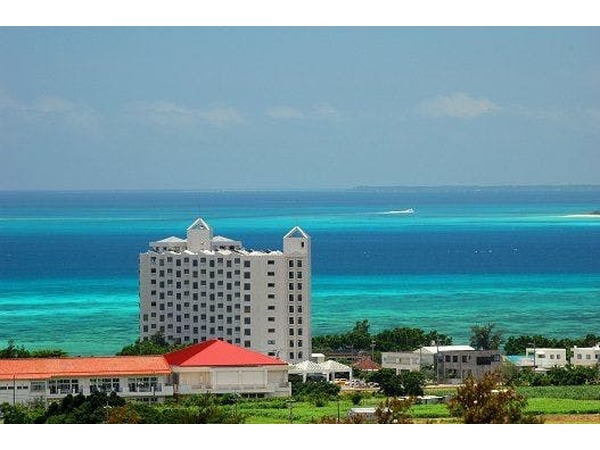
(297, 107)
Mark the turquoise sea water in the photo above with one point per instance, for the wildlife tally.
(523, 259)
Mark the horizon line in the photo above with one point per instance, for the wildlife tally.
(314, 189)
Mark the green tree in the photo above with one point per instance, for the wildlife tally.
(155, 345)
(413, 383)
(389, 383)
(392, 384)
(484, 337)
(311, 390)
(407, 339)
(360, 338)
(487, 401)
(12, 351)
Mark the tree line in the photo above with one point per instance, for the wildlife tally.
(358, 339)
(482, 337)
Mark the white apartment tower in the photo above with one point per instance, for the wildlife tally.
(209, 287)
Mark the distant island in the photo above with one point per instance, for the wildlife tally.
(471, 188)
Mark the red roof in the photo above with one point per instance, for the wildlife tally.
(366, 363)
(42, 368)
(219, 353)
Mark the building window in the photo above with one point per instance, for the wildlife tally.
(246, 263)
(143, 384)
(105, 385)
(270, 262)
(64, 386)
(270, 319)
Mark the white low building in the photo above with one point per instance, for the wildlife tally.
(546, 358)
(215, 367)
(327, 370)
(218, 367)
(586, 356)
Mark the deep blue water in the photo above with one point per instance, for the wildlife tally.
(521, 258)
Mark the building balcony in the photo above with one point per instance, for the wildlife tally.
(283, 387)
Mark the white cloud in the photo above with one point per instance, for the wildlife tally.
(326, 111)
(162, 113)
(222, 115)
(53, 110)
(318, 112)
(285, 113)
(169, 114)
(459, 105)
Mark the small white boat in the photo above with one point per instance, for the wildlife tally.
(402, 211)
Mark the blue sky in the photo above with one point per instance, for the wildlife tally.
(297, 107)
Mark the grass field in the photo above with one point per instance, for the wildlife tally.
(557, 404)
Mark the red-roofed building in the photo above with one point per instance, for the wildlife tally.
(219, 367)
(212, 366)
(141, 377)
(366, 364)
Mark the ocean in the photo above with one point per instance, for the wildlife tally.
(526, 259)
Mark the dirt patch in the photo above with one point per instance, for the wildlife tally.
(571, 418)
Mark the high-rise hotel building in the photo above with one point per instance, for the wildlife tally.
(206, 287)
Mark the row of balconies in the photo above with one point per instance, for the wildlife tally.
(227, 388)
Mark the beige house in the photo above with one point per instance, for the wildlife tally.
(427, 354)
(454, 366)
(401, 361)
(219, 367)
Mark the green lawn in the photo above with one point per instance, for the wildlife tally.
(546, 400)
